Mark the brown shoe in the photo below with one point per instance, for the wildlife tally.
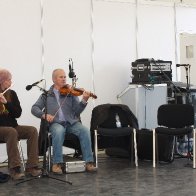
(16, 173)
(90, 167)
(56, 169)
(33, 171)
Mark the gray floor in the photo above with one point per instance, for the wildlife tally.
(115, 176)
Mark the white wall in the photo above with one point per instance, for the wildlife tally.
(102, 37)
(114, 48)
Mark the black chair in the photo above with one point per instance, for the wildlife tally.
(176, 120)
(71, 141)
(105, 134)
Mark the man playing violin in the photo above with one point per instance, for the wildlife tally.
(63, 116)
(11, 132)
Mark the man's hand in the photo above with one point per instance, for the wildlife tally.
(86, 95)
(49, 117)
(2, 99)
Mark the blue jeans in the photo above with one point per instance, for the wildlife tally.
(58, 132)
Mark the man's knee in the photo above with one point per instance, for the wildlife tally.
(33, 131)
(58, 132)
(86, 131)
(11, 133)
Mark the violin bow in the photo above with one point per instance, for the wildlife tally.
(7, 89)
(60, 106)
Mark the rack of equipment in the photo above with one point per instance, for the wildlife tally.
(150, 71)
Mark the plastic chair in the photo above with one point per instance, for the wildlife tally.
(104, 132)
(176, 120)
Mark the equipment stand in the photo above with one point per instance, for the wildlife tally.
(188, 101)
(175, 88)
(187, 68)
(44, 170)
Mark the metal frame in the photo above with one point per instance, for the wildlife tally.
(21, 154)
(96, 147)
(154, 148)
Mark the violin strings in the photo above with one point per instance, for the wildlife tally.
(60, 105)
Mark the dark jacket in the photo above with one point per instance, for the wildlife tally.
(12, 111)
(102, 113)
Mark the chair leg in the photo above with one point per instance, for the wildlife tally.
(135, 147)
(21, 154)
(132, 148)
(194, 135)
(188, 153)
(96, 148)
(154, 148)
(176, 150)
(49, 153)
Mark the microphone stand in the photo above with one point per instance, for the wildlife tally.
(72, 74)
(74, 79)
(188, 101)
(45, 136)
(175, 88)
(187, 67)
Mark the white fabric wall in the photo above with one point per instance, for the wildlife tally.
(102, 37)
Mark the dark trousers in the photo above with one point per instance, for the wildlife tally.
(11, 135)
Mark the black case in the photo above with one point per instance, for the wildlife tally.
(145, 146)
(145, 71)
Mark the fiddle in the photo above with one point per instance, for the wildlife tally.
(7, 89)
(65, 90)
(3, 101)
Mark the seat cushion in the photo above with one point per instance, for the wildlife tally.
(115, 132)
(173, 131)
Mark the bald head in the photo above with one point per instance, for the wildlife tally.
(57, 72)
(4, 75)
(59, 78)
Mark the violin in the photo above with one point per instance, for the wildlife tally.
(65, 90)
(2, 106)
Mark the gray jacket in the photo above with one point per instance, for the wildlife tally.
(72, 106)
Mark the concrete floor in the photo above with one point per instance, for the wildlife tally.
(115, 176)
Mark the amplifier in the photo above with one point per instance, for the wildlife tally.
(156, 72)
(73, 165)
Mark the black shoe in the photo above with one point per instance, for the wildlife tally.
(4, 177)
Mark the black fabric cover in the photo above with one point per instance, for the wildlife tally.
(104, 116)
(175, 115)
(145, 146)
(115, 132)
(111, 137)
(172, 131)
